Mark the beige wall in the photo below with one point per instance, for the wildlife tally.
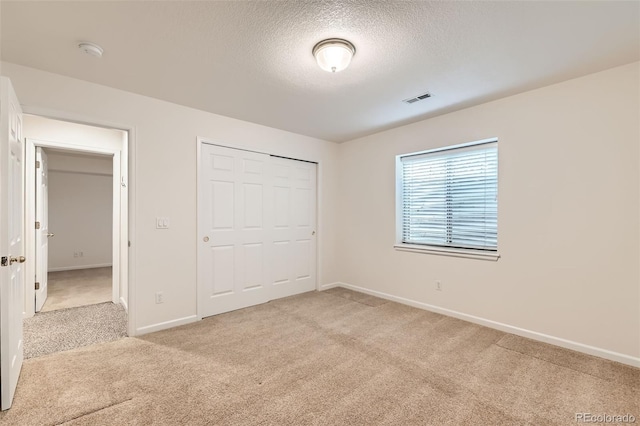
(568, 204)
(80, 211)
(163, 183)
(568, 213)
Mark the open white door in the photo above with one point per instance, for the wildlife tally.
(11, 242)
(42, 227)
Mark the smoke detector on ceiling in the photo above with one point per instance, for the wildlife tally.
(417, 98)
(91, 49)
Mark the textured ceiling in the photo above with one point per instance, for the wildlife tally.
(252, 60)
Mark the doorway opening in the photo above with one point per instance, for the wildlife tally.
(74, 207)
(76, 211)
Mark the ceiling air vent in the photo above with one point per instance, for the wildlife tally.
(417, 98)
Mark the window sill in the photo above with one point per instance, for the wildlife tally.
(443, 251)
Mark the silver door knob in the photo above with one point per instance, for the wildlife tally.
(51, 234)
(205, 239)
(20, 259)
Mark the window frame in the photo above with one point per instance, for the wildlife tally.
(435, 249)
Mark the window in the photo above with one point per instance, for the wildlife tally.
(448, 199)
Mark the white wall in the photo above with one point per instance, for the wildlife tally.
(163, 150)
(80, 211)
(568, 214)
(44, 129)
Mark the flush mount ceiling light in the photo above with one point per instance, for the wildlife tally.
(334, 54)
(91, 49)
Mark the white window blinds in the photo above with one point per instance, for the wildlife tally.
(449, 197)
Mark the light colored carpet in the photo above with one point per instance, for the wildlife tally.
(80, 287)
(322, 359)
(66, 329)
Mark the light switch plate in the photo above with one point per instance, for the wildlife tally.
(162, 223)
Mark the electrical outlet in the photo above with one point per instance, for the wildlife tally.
(439, 285)
(159, 297)
(80, 254)
(75, 254)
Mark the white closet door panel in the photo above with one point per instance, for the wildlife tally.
(222, 202)
(235, 223)
(222, 270)
(281, 253)
(302, 259)
(294, 248)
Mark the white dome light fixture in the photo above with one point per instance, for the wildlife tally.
(334, 54)
(91, 49)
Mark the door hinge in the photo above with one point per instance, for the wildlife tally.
(37, 225)
(37, 285)
(37, 164)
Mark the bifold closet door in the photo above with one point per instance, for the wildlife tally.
(256, 228)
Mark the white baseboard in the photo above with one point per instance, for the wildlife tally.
(330, 285)
(534, 335)
(165, 325)
(73, 268)
(124, 304)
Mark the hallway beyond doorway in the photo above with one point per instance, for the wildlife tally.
(79, 287)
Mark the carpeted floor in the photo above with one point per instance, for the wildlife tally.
(66, 329)
(79, 287)
(329, 358)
